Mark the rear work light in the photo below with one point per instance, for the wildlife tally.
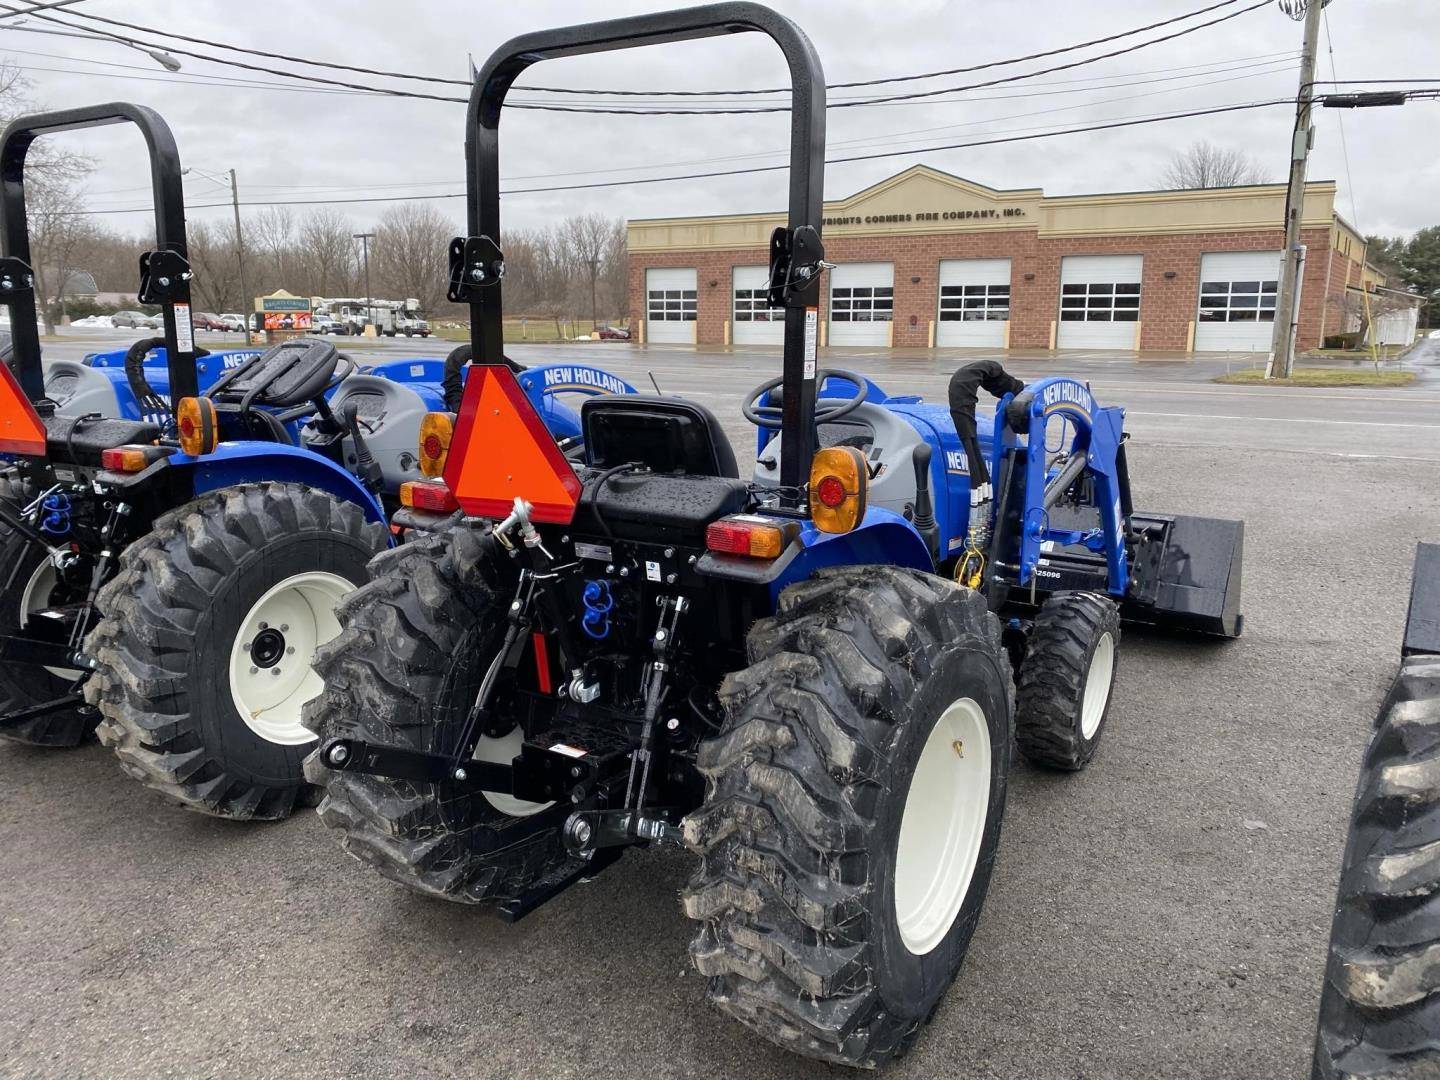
(839, 484)
(430, 495)
(130, 459)
(749, 534)
(196, 425)
(436, 431)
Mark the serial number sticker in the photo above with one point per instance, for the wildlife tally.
(812, 340)
(568, 751)
(417, 370)
(652, 571)
(592, 551)
(67, 475)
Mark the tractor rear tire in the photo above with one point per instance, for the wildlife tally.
(25, 587)
(1066, 679)
(1380, 1006)
(200, 694)
(834, 905)
(404, 672)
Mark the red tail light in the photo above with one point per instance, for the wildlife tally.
(429, 495)
(747, 534)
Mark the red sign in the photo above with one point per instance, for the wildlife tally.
(287, 320)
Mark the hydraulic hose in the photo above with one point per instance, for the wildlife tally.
(452, 384)
(965, 386)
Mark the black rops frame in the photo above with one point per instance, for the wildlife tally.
(476, 266)
(164, 272)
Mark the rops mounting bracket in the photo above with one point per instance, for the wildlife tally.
(796, 258)
(476, 263)
(164, 277)
(16, 278)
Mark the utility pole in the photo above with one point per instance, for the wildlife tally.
(245, 297)
(1287, 307)
(594, 269)
(365, 238)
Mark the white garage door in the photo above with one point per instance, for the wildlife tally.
(670, 306)
(974, 302)
(1237, 301)
(756, 322)
(1099, 301)
(862, 303)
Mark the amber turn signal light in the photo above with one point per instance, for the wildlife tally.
(130, 459)
(747, 534)
(839, 484)
(196, 424)
(437, 429)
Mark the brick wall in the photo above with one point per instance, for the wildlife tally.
(1167, 305)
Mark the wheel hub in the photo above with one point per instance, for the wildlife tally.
(267, 648)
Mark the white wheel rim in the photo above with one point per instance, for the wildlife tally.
(503, 751)
(1097, 686)
(942, 826)
(36, 597)
(270, 672)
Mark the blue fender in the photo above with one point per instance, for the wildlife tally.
(234, 463)
(883, 538)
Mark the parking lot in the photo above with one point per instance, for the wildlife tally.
(1162, 914)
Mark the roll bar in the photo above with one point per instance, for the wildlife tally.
(164, 272)
(477, 264)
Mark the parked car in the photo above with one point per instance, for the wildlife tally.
(233, 322)
(612, 333)
(411, 326)
(133, 319)
(324, 324)
(207, 320)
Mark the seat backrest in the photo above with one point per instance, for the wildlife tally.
(665, 434)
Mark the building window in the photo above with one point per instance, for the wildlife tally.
(1237, 301)
(974, 303)
(751, 305)
(1100, 302)
(670, 305)
(862, 304)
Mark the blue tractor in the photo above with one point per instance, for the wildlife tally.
(178, 527)
(810, 678)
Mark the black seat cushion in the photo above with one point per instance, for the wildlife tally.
(656, 508)
(79, 442)
(665, 434)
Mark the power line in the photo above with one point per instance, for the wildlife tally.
(739, 172)
(611, 110)
(42, 7)
(269, 55)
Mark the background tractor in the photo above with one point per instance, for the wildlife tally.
(807, 679)
(173, 557)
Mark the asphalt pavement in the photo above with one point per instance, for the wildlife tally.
(1162, 914)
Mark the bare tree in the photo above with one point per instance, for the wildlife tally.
(1205, 165)
(57, 232)
(217, 269)
(327, 253)
(270, 241)
(408, 255)
(585, 240)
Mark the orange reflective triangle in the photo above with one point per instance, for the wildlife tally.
(503, 451)
(21, 429)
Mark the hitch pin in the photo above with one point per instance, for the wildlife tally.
(520, 516)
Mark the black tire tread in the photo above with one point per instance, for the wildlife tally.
(1052, 676)
(142, 642)
(781, 938)
(1380, 1006)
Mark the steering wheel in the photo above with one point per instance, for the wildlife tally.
(770, 416)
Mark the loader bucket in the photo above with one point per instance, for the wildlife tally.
(1187, 574)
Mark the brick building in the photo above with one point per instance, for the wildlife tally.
(929, 259)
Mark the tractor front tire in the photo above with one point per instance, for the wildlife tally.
(853, 808)
(1380, 1005)
(404, 672)
(206, 639)
(1066, 677)
(26, 586)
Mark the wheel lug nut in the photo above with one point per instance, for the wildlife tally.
(289, 650)
(284, 627)
(254, 671)
(274, 671)
(247, 645)
(264, 626)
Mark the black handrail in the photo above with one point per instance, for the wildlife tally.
(807, 171)
(171, 285)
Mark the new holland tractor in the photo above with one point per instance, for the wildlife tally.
(173, 557)
(782, 674)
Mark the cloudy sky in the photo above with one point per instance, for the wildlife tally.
(296, 142)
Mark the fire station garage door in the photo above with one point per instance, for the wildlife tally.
(862, 303)
(1237, 301)
(1099, 301)
(755, 322)
(670, 306)
(974, 302)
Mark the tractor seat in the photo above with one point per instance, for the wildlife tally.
(72, 441)
(664, 434)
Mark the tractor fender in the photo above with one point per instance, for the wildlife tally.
(249, 462)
